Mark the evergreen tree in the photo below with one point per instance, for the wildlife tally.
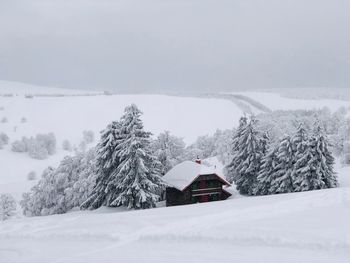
(302, 154)
(264, 143)
(107, 162)
(283, 181)
(137, 178)
(246, 160)
(266, 173)
(321, 164)
(230, 169)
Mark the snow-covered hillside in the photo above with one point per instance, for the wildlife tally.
(68, 117)
(300, 227)
(275, 101)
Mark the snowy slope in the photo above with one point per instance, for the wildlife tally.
(275, 101)
(68, 117)
(301, 227)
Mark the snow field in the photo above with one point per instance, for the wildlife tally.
(275, 101)
(299, 227)
(68, 117)
(307, 227)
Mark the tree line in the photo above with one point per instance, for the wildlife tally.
(299, 162)
(126, 166)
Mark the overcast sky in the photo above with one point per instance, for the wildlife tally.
(138, 45)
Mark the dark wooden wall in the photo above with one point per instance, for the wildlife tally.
(176, 197)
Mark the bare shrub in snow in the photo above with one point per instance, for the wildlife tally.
(88, 137)
(4, 120)
(31, 176)
(66, 145)
(345, 160)
(219, 144)
(169, 150)
(7, 206)
(19, 146)
(37, 151)
(4, 139)
(48, 141)
(38, 147)
(62, 189)
(82, 147)
(223, 142)
(206, 145)
(23, 120)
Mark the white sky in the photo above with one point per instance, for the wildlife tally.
(176, 44)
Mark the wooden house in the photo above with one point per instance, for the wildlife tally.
(192, 182)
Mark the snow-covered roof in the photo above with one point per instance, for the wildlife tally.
(183, 174)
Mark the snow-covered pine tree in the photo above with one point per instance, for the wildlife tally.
(107, 162)
(230, 169)
(137, 177)
(266, 173)
(283, 181)
(264, 143)
(246, 161)
(302, 154)
(321, 164)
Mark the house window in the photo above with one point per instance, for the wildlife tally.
(213, 184)
(214, 197)
(195, 186)
(216, 184)
(202, 184)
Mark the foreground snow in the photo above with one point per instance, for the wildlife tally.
(302, 227)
